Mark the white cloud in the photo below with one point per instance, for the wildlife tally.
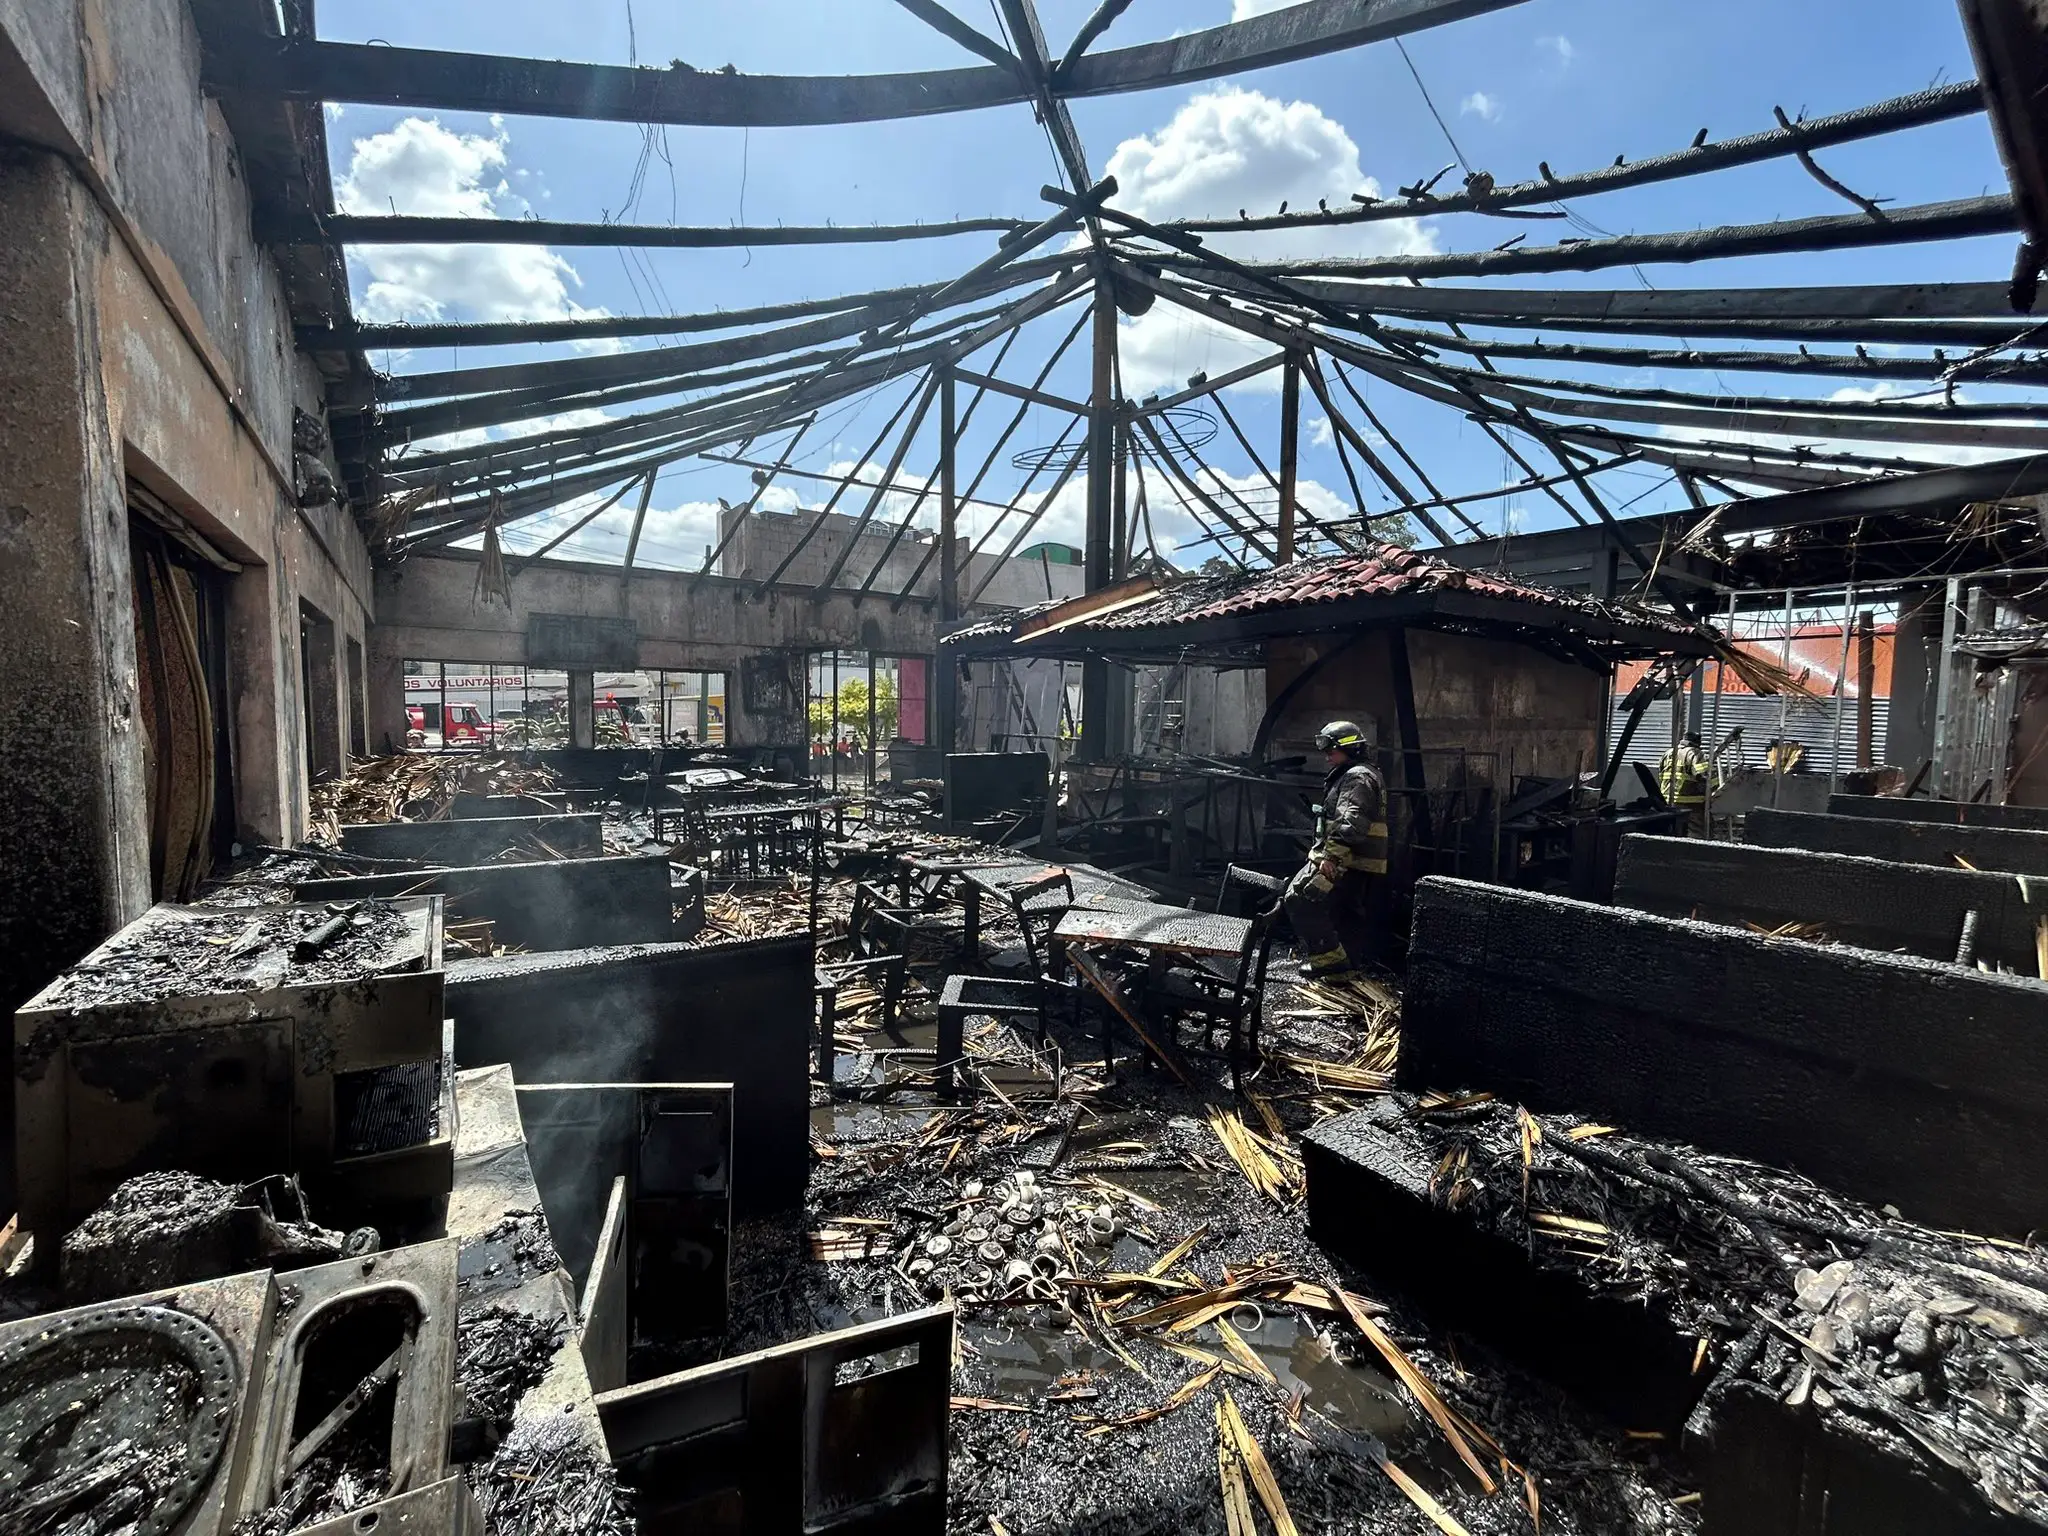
(1319, 433)
(673, 538)
(419, 167)
(1244, 10)
(1481, 105)
(1560, 48)
(1162, 348)
(1234, 149)
(1176, 528)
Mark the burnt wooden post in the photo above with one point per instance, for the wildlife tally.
(1290, 454)
(1095, 706)
(2010, 41)
(1413, 777)
(1866, 686)
(1120, 517)
(946, 670)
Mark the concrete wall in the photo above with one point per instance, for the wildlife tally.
(662, 1013)
(427, 608)
(145, 337)
(553, 904)
(1518, 710)
(1960, 813)
(765, 539)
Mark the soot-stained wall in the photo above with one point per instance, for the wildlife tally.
(146, 340)
(1899, 1080)
(662, 1013)
(1871, 903)
(2010, 850)
(1507, 704)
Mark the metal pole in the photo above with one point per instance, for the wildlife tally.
(1841, 689)
(1714, 729)
(946, 670)
(1674, 713)
(1120, 517)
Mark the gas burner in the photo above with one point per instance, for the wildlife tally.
(112, 1420)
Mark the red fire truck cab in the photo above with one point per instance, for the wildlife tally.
(432, 725)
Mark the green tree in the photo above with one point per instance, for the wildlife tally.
(853, 710)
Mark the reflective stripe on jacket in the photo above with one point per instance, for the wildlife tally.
(1351, 827)
(1683, 776)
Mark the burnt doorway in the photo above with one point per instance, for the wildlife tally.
(319, 694)
(358, 727)
(181, 665)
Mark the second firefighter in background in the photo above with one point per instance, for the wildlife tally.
(1331, 900)
(1683, 778)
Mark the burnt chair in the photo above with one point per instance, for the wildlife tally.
(1037, 905)
(1221, 991)
(877, 935)
(878, 923)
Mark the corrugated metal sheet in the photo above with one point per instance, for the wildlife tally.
(1813, 728)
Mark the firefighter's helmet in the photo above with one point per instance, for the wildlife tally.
(1345, 735)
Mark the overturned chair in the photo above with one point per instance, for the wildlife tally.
(878, 944)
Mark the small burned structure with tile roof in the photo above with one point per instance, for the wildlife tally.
(1514, 675)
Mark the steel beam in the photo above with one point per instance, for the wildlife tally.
(1941, 104)
(1955, 220)
(413, 229)
(376, 75)
(2010, 41)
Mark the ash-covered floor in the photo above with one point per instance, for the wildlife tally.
(1170, 1295)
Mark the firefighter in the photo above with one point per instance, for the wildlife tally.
(1335, 887)
(1683, 777)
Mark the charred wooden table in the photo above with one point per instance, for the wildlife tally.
(1154, 928)
(1164, 935)
(928, 880)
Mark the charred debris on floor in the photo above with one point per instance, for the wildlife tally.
(1157, 1328)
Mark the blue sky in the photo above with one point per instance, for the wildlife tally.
(1570, 82)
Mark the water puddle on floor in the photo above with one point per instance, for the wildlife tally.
(854, 1124)
(1026, 1362)
(1353, 1397)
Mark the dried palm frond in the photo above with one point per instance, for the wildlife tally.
(1762, 675)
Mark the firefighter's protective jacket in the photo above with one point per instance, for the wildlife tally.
(1351, 829)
